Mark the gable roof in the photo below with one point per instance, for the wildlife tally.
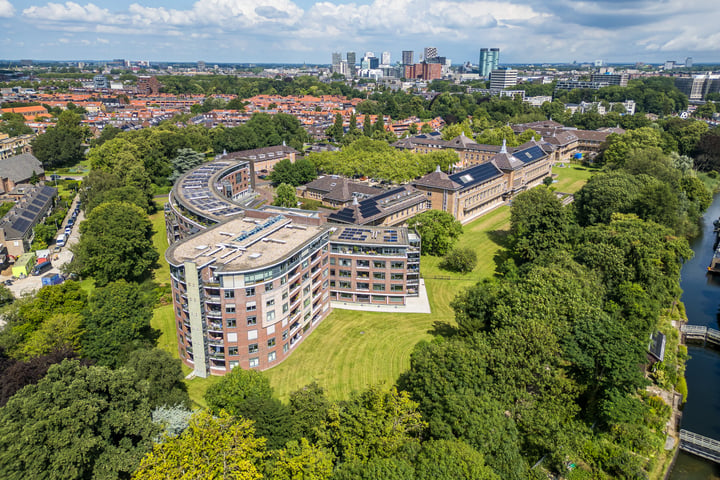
(476, 175)
(377, 208)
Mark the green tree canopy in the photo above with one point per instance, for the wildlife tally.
(164, 375)
(115, 243)
(76, 423)
(285, 196)
(62, 144)
(438, 231)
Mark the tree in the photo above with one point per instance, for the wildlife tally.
(453, 130)
(115, 242)
(373, 423)
(211, 447)
(127, 194)
(617, 148)
(186, 160)
(164, 375)
(538, 223)
(62, 144)
(438, 231)
(367, 125)
(77, 422)
(300, 460)
(308, 407)
(336, 131)
(605, 194)
(116, 322)
(60, 332)
(285, 196)
(13, 124)
(462, 260)
(451, 460)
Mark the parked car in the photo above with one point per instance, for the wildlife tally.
(41, 268)
(68, 178)
(54, 177)
(8, 282)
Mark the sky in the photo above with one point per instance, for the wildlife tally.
(308, 31)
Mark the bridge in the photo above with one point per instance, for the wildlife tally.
(702, 334)
(704, 447)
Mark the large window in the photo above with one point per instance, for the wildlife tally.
(253, 348)
(379, 287)
(271, 342)
(379, 263)
(229, 294)
(397, 265)
(397, 276)
(379, 275)
(345, 273)
(231, 322)
(254, 362)
(249, 292)
(252, 320)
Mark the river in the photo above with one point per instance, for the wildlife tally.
(701, 296)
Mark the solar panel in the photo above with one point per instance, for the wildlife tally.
(21, 225)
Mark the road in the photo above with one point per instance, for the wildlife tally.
(30, 284)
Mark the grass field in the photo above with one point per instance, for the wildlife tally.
(351, 349)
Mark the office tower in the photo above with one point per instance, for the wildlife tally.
(688, 62)
(429, 52)
(501, 79)
(407, 57)
(200, 66)
(336, 59)
(385, 58)
(489, 58)
(351, 59)
(669, 64)
(374, 62)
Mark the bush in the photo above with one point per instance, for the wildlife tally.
(682, 388)
(462, 260)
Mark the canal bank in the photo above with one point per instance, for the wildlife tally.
(701, 297)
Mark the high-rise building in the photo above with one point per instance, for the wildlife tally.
(669, 64)
(351, 59)
(489, 58)
(501, 79)
(385, 58)
(424, 71)
(100, 81)
(620, 79)
(336, 59)
(688, 62)
(430, 52)
(407, 57)
(374, 62)
(200, 66)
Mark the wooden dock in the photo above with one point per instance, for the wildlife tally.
(707, 448)
(697, 333)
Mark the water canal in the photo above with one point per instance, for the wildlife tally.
(701, 296)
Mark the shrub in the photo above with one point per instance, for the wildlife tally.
(461, 260)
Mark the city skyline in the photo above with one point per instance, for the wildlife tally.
(306, 31)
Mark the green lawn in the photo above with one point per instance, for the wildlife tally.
(571, 178)
(162, 273)
(352, 349)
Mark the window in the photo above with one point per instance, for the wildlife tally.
(378, 264)
(332, 260)
(232, 350)
(345, 285)
(271, 342)
(379, 275)
(233, 364)
(305, 264)
(250, 292)
(285, 348)
(231, 322)
(285, 335)
(229, 294)
(254, 362)
(397, 276)
(306, 302)
(363, 286)
(250, 306)
(325, 260)
(271, 357)
(379, 287)
(286, 307)
(253, 348)
(252, 334)
(325, 284)
(363, 263)
(230, 308)
(396, 288)
(269, 287)
(345, 262)
(270, 316)
(252, 320)
(397, 265)
(283, 280)
(270, 302)
(345, 273)
(332, 283)
(332, 272)
(284, 295)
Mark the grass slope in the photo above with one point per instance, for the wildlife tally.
(353, 349)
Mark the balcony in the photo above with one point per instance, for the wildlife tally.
(214, 313)
(212, 299)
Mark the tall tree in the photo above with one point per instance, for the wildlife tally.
(78, 422)
(285, 196)
(62, 144)
(115, 242)
(116, 322)
(164, 375)
(438, 231)
(217, 446)
(185, 160)
(367, 126)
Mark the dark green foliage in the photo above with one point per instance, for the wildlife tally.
(77, 422)
(115, 242)
(298, 173)
(185, 160)
(108, 133)
(605, 194)
(451, 460)
(262, 130)
(62, 144)
(164, 375)
(336, 131)
(247, 394)
(538, 223)
(117, 322)
(707, 151)
(13, 124)
(308, 407)
(392, 468)
(438, 231)
(462, 260)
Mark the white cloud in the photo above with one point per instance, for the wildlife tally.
(6, 9)
(72, 12)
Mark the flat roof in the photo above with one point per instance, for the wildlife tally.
(355, 234)
(196, 191)
(244, 244)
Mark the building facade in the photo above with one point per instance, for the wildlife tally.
(407, 57)
(501, 79)
(489, 58)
